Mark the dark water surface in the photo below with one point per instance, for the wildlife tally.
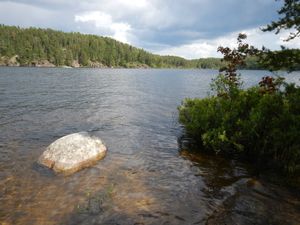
(146, 178)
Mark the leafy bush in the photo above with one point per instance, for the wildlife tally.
(262, 123)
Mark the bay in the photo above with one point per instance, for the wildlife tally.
(146, 177)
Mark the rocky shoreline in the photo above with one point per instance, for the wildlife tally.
(14, 62)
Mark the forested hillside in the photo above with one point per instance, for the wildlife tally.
(46, 47)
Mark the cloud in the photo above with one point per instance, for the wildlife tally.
(26, 15)
(204, 48)
(105, 24)
(189, 28)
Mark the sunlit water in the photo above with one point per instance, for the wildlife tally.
(146, 178)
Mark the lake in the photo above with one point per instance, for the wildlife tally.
(147, 177)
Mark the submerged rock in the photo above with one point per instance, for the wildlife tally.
(73, 152)
(257, 202)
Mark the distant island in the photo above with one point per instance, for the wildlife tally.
(36, 47)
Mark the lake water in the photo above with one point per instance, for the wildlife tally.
(146, 178)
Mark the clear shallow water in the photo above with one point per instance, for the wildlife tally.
(145, 178)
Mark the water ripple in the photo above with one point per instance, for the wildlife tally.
(134, 112)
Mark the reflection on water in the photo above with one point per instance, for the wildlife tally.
(145, 178)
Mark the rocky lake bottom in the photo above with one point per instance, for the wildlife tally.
(147, 176)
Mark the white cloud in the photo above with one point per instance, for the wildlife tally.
(188, 28)
(133, 4)
(106, 25)
(203, 48)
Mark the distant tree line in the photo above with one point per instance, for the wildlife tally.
(34, 45)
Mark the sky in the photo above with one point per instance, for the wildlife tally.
(186, 28)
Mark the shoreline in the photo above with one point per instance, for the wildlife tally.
(90, 67)
(142, 68)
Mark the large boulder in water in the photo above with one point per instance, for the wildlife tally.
(73, 152)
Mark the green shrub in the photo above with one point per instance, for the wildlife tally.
(261, 123)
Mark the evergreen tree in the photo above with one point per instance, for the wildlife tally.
(34, 45)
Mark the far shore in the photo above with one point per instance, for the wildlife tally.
(118, 67)
(104, 67)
